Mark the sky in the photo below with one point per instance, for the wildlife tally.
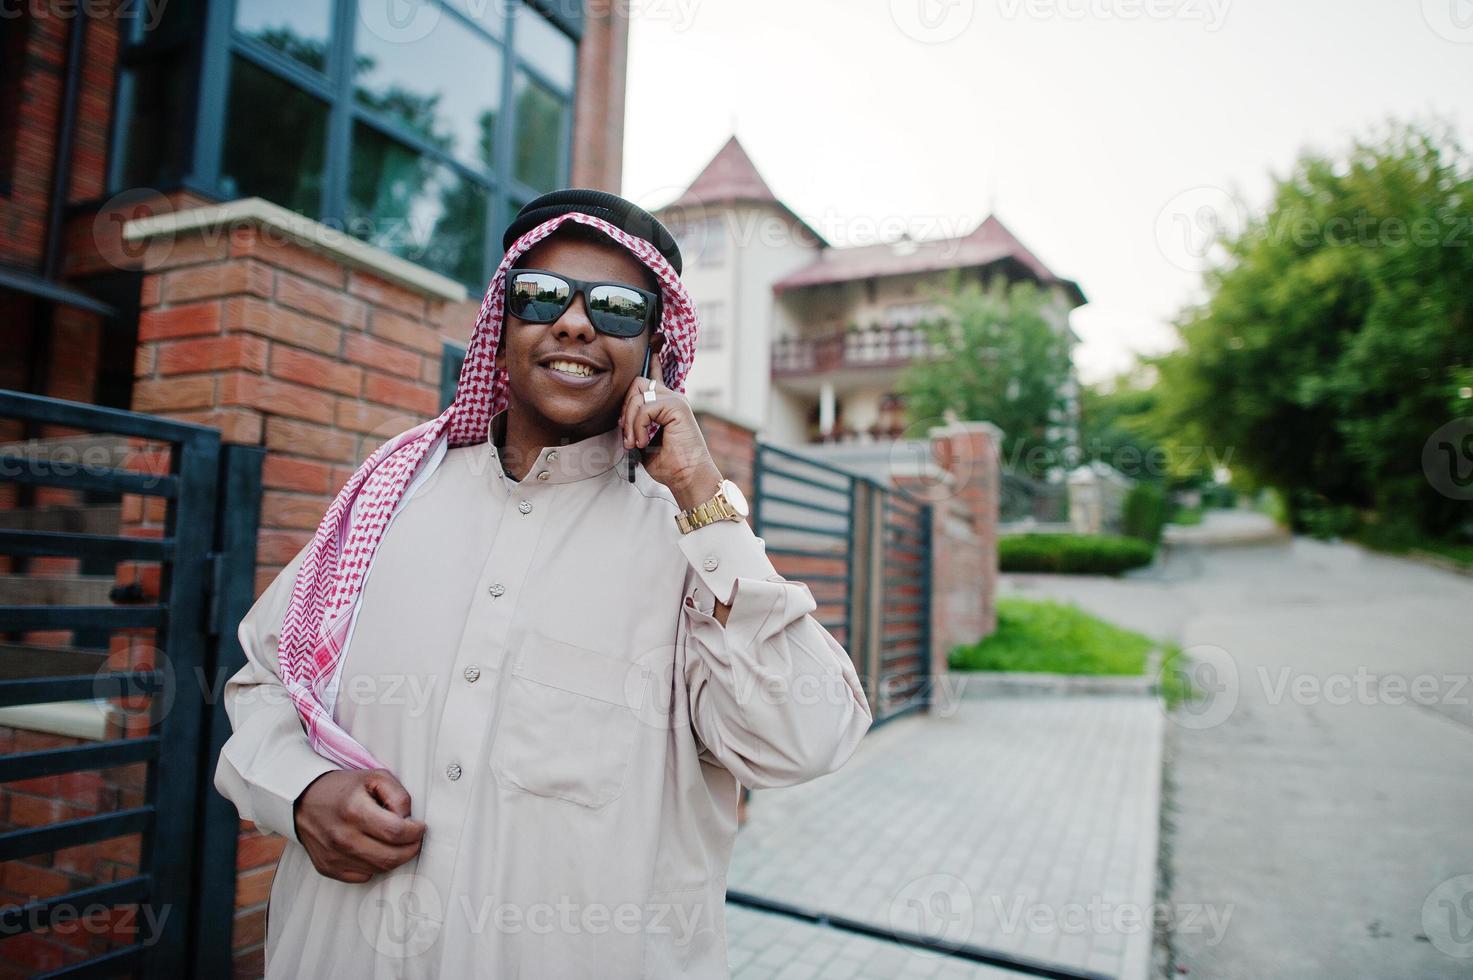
(1109, 135)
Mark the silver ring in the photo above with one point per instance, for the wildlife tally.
(649, 393)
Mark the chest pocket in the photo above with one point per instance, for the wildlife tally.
(569, 721)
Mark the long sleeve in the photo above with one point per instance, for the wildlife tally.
(774, 697)
(267, 761)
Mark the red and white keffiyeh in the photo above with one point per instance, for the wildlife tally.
(317, 625)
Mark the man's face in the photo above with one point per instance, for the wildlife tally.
(578, 406)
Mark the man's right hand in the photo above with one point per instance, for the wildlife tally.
(355, 824)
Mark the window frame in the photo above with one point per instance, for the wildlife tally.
(209, 74)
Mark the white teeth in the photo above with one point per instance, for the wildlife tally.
(568, 367)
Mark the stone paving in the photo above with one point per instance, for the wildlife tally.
(1024, 825)
(1324, 784)
(762, 945)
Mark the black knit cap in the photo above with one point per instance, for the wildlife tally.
(614, 209)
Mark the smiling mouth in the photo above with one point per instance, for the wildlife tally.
(572, 369)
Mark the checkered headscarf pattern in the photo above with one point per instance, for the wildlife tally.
(330, 578)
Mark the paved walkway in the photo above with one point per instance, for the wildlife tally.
(1324, 791)
(762, 944)
(1026, 826)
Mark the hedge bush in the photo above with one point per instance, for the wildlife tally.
(1072, 554)
(1144, 513)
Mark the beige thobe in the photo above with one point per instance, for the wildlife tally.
(538, 663)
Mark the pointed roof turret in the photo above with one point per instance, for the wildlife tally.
(732, 178)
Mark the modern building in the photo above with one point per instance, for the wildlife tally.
(416, 131)
(806, 341)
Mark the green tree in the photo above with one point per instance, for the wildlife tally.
(1121, 423)
(1338, 331)
(998, 357)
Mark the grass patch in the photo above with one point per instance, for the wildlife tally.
(1043, 636)
(1187, 516)
(1072, 554)
(1175, 685)
(1396, 541)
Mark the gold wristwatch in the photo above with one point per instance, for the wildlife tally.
(729, 504)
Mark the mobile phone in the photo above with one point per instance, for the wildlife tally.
(634, 451)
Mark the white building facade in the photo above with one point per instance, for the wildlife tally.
(805, 342)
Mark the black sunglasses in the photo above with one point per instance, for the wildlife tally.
(616, 308)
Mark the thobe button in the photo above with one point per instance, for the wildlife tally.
(552, 456)
(452, 771)
(472, 674)
(543, 475)
(711, 562)
(496, 589)
(525, 506)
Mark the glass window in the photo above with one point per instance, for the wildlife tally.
(711, 242)
(545, 48)
(421, 210)
(300, 29)
(445, 87)
(712, 333)
(273, 140)
(489, 15)
(155, 142)
(452, 359)
(541, 115)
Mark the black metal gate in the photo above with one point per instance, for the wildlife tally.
(864, 550)
(803, 509)
(90, 497)
(905, 616)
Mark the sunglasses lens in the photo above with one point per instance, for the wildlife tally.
(618, 310)
(537, 297)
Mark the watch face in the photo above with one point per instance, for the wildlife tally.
(734, 496)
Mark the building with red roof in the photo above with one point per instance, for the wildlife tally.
(804, 340)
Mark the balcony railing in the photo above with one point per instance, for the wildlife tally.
(885, 346)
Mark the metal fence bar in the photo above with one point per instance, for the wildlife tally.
(123, 960)
(40, 690)
(98, 755)
(219, 824)
(70, 833)
(16, 920)
(20, 618)
(172, 784)
(173, 749)
(32, 544)
(49, 473)
(79, 415)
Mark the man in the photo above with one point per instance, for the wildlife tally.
(502, 704)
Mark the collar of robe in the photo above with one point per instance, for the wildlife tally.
(566, 463)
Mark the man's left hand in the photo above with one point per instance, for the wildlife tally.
(677, 457)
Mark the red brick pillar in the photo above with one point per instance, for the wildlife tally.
(283, 333)
(971, 453)
(733, 446)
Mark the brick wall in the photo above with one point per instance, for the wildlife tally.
(598, 113)
(38, 107)
(969, 451)
(964, 516)
(277, 345)
(733, 447)
(290, 347)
